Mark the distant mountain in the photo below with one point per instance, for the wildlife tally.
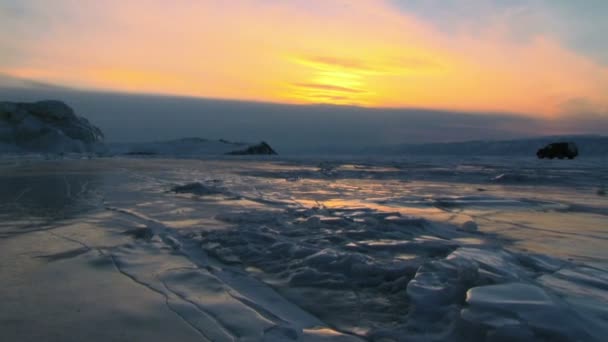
(52, 126)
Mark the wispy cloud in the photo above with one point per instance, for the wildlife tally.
(328, 87)
(369, 52)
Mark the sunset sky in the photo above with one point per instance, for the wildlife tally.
(540, 58)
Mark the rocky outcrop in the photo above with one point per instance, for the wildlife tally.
(261, 148)
(46, 126)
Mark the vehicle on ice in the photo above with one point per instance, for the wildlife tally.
(559, 150)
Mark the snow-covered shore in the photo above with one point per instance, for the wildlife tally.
(224, 250)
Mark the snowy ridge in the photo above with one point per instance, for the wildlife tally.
(179, 148)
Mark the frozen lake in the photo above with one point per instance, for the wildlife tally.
(311, 249)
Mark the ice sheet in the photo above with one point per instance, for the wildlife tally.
(304, 250)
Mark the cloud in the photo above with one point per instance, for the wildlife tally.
(332, 62)
(7, 81)
(378, 65)
(262, 50)
(583, 106)
(578, 25)
(327, 87)
(292, 128)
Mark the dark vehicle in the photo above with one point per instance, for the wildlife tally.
(559, 150)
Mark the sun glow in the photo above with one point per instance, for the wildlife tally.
(363, 53)
(331, 83)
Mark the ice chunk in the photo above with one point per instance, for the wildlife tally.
(172, 242)
(494, 265)
(511, 296)
(518, 306)
(540, 263)
(442, 282)
(469, 226)
(196, 188)
(510, 178)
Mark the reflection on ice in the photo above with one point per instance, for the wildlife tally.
(394, 250)
(33, 197)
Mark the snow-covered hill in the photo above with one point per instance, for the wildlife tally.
(188, 148)
(53, 127)
(46, 126)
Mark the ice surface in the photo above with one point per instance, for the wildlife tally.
(283, 250)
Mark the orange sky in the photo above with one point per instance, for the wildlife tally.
(361, 52)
